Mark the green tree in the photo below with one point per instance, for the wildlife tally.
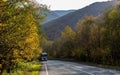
(112, 34)
(67, 36)
(83, 31)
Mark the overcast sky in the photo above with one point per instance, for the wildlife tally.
(67, 4)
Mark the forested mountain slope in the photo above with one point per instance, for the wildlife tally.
(54, 27)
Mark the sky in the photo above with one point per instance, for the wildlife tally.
(67, 4)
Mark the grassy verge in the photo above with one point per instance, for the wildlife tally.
(29, 68)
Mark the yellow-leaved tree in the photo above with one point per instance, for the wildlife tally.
(19, 36)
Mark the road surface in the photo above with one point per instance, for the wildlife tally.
(54, 67)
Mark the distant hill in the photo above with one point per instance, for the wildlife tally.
(56, 14)
(54, 27)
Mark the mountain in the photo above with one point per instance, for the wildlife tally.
(53, 28)
(51, 15)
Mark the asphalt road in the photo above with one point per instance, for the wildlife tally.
(54, 67)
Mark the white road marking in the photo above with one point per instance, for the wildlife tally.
(82, 70)
(46, 69)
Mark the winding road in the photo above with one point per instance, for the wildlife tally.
(55, 67)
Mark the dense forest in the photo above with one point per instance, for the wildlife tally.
(95, 40)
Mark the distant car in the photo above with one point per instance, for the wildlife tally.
(44, 56)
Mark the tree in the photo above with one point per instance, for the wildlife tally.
(67, 36)
(112, 34)
(19, 38)
(83, 30)
(67, 33)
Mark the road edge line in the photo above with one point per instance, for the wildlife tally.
(46, 69)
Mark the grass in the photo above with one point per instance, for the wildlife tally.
(29, 68)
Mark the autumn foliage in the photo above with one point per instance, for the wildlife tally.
(19, 36)
(95, 40)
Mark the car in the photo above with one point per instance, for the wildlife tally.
(44, 56)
